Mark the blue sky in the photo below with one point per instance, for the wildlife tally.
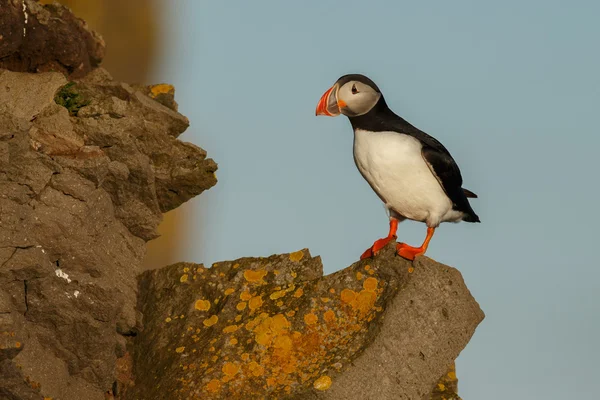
(511, 88)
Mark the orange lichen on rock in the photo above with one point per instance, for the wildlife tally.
(230, 329)
(323, 383)
(213, 386)
(329, 316)
(241, 306)
(310, 319)
(245, 295)
(180, 349)
(183, 278)
(202, 305)
(211, 321)
(230, 368)
(299, 292)
(255, 303)
(229, 291)
(348, 295)
(296, 256)
(162, 88)
(370, 284)
(255, 276)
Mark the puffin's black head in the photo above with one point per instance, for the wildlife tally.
(352, 95)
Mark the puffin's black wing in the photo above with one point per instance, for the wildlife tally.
(446, 171)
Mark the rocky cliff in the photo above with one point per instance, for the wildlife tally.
(88, 166)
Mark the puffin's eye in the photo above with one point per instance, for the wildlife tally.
(354, 90)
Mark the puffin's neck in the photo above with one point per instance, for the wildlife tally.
(379, 119)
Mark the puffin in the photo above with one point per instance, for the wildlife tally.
(412, 172)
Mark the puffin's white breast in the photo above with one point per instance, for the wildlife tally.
(393, 165)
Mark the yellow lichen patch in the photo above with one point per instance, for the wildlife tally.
(267, 328)
(296, 256)
(230, 328)
(183, 278)
(365, 301)
(277, 295)
(233, 341)
(186, 269)
(163, 88)
(359, 275)
(202, 305)
(279, 303)
(283, 342)
(255, 369)
(293, 274)
(245, 356)
(168, 319)
(370, 284)
(452, 375)
(411, 270)
(255, 302)
(238, 318)
(367, 267)
(180, 349)
(255, 276)
(213, 386)
(236, 266)
(230, 369)
(329, 316)
(310, 319)
(298, 292)
(229, 291)
(441, 387)
(348, 295)
(323, 383)
(245, 295)
(290, 313)
(210, 321)
(241, 306)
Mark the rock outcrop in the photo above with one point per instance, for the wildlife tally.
(256, 328)
(83, 186)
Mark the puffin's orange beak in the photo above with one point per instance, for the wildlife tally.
(329, 104)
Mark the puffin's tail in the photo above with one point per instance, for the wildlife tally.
(470, 215)
(469, 194)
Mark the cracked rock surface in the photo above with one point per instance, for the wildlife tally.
(82, 188)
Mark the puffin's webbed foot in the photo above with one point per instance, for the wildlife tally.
(409, 252)
(377, 246)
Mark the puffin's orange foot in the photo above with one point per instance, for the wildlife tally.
(377, 246)
(409, 252)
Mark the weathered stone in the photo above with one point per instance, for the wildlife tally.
(42, 38)
(383, 328)
(79, 198)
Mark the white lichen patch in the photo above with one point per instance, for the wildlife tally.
(61, 274)
(76, 293)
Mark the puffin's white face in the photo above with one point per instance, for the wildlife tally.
(358, 97)
(352, 99)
